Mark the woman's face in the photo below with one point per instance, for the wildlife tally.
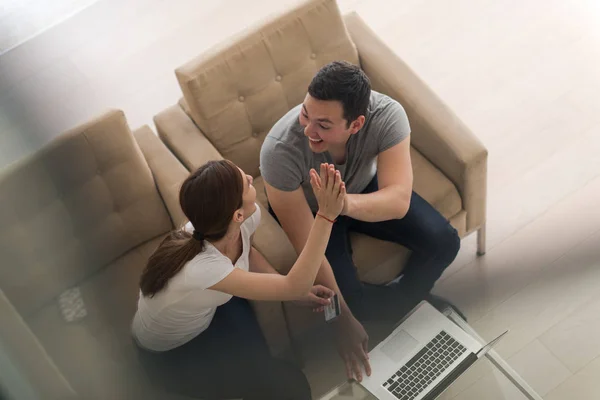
(249, 196)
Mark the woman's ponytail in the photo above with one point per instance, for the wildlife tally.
(172, 254)
(208, 198)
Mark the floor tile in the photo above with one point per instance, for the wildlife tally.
(584, 385)
(539, 367)
(474, 374)
(562, 288)
(494, 386)
(518, 261)
(575, 339)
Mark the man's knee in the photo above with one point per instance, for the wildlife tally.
(447, 244)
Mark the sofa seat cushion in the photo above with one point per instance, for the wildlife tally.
(96, 353)
(377, 261)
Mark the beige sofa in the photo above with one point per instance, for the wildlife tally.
(84, 214)
(233, 94)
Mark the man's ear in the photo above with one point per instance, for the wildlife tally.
(357, 124)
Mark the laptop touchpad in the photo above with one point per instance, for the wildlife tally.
(399, 346)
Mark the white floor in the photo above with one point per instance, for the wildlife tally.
(524, 75)
(21, 20)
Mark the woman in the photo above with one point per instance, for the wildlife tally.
(194, 323)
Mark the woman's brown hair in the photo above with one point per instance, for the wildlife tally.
(208, 198)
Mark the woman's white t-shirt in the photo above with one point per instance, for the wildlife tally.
(185, 307)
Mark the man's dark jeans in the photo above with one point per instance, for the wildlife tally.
(434, 244)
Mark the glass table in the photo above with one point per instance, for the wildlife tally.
(502, 383)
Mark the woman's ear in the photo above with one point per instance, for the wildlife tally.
(238, 216)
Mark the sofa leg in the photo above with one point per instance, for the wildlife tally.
(481, 240)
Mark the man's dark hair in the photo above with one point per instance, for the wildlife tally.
(346, 83)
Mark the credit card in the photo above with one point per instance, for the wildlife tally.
(332, 310)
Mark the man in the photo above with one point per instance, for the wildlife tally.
(366, 135)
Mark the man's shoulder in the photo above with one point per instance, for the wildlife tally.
(384, 112)
(286, 135)
(284, 152)
(286, 129)
(381, 104)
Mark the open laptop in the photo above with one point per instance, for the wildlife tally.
(422, 357)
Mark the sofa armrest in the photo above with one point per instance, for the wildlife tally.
(34, 373)
(436, 131)
(271, 318)
(184, 138)
(168, 172)
(270, 240)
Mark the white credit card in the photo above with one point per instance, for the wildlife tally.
(332, 310)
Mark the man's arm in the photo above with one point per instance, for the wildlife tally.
(296, 218)
(395, 178)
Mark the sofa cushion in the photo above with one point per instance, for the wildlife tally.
(431, 184)
(377, 261)
(270, 240)
(96, 353)
(236, 93)
(73, 207)
(261, 195)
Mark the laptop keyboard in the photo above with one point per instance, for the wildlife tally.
(429, 363)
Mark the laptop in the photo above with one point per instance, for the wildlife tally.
(422, 356)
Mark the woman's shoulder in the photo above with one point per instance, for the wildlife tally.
(207, 257)
(206, 268)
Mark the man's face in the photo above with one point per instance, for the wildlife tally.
(324, 124)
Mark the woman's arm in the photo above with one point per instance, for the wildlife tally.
(330, 192)
(318, 296)
(273, 286)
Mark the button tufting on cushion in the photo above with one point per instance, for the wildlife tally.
(272, 65)
(72, 208)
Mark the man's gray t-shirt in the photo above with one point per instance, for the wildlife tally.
(286, 158)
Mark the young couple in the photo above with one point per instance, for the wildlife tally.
(336, 163)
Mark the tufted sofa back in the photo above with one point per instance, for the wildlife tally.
(73, 207)
(237, 92)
